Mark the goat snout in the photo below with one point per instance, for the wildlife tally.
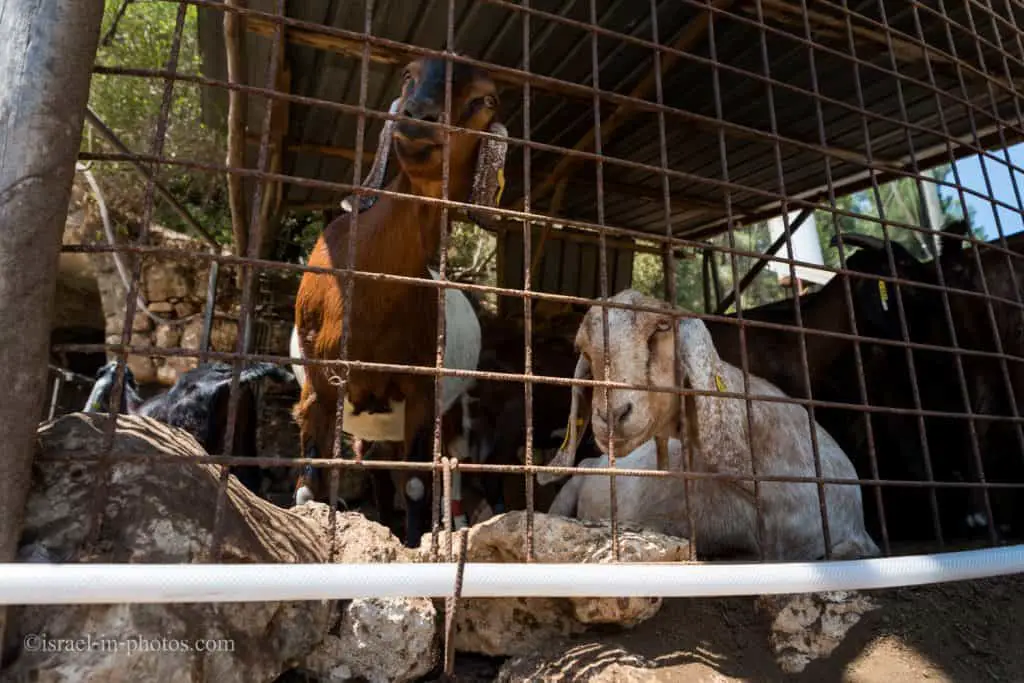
(619, 413)
(421, 110)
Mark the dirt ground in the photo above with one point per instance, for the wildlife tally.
(965, 631)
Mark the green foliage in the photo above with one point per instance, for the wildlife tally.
(130, 106)
(472, 254)
(649, 278)
(298, 235)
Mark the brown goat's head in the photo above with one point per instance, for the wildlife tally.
(420, 148)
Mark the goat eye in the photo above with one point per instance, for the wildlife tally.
(664, 326)
(490, 101)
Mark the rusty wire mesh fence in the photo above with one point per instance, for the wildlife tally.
(671, 148)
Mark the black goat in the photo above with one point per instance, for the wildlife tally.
(992, 392)
(198, 403)
(899, 452)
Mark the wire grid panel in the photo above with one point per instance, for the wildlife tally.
(676, 132)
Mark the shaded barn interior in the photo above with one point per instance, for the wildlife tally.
(869, 94)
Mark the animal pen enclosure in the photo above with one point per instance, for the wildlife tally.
(877, 412)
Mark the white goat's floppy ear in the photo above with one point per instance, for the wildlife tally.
(489, 180)
(375, 178)
(579, 419)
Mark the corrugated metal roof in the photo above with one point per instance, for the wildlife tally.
(491, 32)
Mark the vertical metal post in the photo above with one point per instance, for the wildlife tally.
(46, 55)
(58, 380)
(211, 304)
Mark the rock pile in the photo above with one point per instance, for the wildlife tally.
(160, 508)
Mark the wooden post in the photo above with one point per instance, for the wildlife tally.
(273, 191)
(234, 45)
(47, 51)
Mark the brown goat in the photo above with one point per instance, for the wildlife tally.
(395, 322)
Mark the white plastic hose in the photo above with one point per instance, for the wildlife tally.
(38, 583)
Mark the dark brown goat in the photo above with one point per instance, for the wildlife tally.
(775, 355)
(499, 410)
(392, 322)
(993, 392)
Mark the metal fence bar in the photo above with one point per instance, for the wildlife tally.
(528, 302)
(722, 184)
(574, 223)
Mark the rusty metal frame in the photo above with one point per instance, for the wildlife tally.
(609, 110)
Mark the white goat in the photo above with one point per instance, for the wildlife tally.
(716, 434)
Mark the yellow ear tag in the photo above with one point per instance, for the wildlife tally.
(883, 295)
(720, 383)
(568, 425)
(501, 186)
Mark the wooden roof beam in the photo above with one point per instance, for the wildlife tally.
(398, 55)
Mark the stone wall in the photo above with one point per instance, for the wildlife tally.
(175, 289)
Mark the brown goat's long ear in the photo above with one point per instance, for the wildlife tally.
(579, 419)
(379, 170)
(489, 181)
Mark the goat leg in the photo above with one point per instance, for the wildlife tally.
(417, 489)
(493, 484)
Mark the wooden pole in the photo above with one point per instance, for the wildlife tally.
(47, 51)
(273, 191)
(234, 46)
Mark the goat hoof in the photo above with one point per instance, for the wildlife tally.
(415, 489)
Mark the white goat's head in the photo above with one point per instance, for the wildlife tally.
(639, 351)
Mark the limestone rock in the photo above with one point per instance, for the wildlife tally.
(143, 367)
(141, 322)
(810, 626)
(380, 640)
(161, 308)
(511, 626)
(358, 540)
(183, 309)
(159, 509)
(159, 513)
(403, 630)
(166, 279)
(167, 336)
(223, 335)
